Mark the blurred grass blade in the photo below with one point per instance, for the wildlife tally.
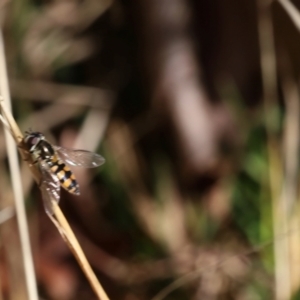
(6, 214)
(276, 173)
(292, 11)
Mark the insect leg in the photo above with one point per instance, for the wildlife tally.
(32, 163)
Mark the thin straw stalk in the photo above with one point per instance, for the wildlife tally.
(58, 218)
(30, 279)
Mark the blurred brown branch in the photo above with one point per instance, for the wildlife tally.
(176, 86)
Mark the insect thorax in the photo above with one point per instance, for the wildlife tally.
(43, 151)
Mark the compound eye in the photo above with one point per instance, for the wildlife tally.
(31, 141)
(34, 140)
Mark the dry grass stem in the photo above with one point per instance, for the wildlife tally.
(74, 246)
(10, 240)
(58, 219)
(29, 275)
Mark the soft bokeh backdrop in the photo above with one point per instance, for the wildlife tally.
(195, 107)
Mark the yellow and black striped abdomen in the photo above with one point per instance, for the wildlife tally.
(65, 176)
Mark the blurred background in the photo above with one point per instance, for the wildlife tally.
(195, 107)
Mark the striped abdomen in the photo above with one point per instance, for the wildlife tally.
(65, 175)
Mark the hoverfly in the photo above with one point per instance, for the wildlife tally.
(53, 162)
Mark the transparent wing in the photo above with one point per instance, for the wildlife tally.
(50, 188)
(79, 158)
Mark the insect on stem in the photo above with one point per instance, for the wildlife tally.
(50, 181)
